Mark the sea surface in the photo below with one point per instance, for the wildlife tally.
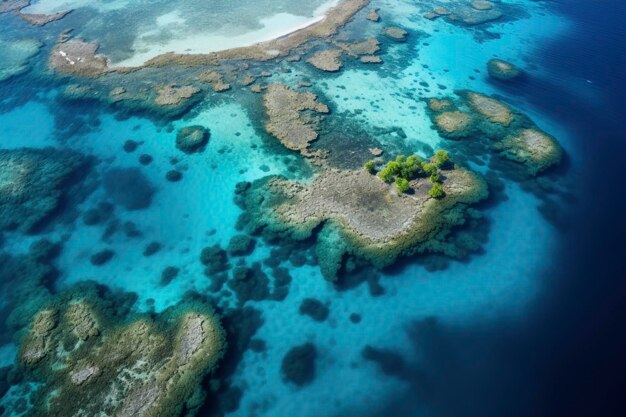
(531, 324)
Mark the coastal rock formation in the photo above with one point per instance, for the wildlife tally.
(173, 95)
(215, 79)
(192, 139)
(395, 33)
(32, 182)
(493, 110)
(327, 60)
(43, 19)
(467, 14)
(502, 70)
(454, 124)
(373, 15)
(513, 135)
(77, 57)
(355, 49)
(288, 118)
(531, 147)
(143, 367)
(7, 6)
(367, 216)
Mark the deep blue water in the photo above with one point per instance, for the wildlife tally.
(566, 358)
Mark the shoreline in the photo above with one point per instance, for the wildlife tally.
(201, 44)
(85, 54)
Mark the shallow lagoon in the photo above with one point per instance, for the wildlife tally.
(132, 33)
(501, 281)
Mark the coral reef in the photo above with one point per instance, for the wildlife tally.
(32, 184)
(493, 110)
(531, 147)
(288, 121)
(514, 136)
(173, 95)
(454, 124)
(88, 362)
(15, 56)
(192, 139)
(327, 60)
(361, 215)
(216, 80)
(503, 70)
(395, 33)
(241, 245)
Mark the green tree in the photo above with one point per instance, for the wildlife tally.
(434, 178)
(370, 167)
(441, 158)
(436, 191)
(429, 168)
(402, 185)
(386, 175)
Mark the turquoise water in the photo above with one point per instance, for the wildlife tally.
(503, 280)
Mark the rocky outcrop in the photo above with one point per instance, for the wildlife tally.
(132, 366)
(288, 120)
(513, 136)
(215, 79)
(77, 57)
(43, 19)
(503, 70)
(396, 33)
(532, 148)
(192, 139)
(173, 95)
(327, 60)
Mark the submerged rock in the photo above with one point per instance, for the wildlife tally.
(43, 19)
(298, 365)
(192, 139)
(327, 60)
(395, 33)
(172, 95)
(315, 309)
(32, 184)
(216, 80)
(532, 148)
(129, 188)
(502, 70)
(241, 245)
(139, 366)
(454, 124)
(373, 15)
(493, 110)
(16, 55)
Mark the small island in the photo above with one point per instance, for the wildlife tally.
(405, 209)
